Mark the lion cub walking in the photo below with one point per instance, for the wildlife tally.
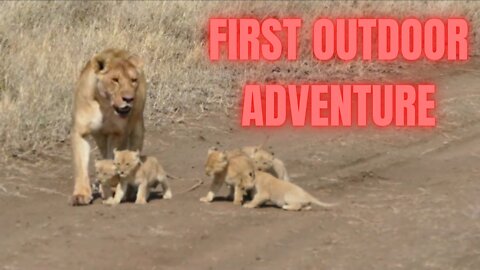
(230, 168)
(282, 193)
(144, 172)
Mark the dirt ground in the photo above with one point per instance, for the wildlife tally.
(409, 199)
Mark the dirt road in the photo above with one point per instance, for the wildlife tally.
(409, 199)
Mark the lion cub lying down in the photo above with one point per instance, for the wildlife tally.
(229, 168)
(282, 193)
(145, 172)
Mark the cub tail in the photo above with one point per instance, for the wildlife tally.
(319, 203)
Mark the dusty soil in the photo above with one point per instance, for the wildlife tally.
(409, 199)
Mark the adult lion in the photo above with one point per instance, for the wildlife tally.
(108, 104)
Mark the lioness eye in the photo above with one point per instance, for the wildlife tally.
(128, 164)
(115, 80)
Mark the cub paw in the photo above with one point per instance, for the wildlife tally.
(205, 199)
(237, 202)
(141, 201)
(249, 205)
(168, 195)
(109, 201)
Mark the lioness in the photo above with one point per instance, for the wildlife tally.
(142, 171)
(108, 104)
(229, 168)
(282, 193)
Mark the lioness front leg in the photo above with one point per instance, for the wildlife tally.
(82, 191)
(102, 143)
(136, 137)
(115, 142)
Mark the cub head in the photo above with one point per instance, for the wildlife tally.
(105, 170)
(216, 162)
(247, 182)
(125, 161)
(263, 160)
(118, 75)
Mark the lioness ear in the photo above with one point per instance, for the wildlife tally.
(136, 61)
(100, 64)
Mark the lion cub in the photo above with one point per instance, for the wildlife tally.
(282, 193)
(142, 171)
(107, 176)
(265, 161)
(230, 168)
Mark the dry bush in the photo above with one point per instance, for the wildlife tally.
(43, 46)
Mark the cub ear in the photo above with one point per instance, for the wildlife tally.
(212, 149)
(115, 151)
(100, 64)
(136, 61)
(137, 153)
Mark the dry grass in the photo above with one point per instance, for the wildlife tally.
(44, 45)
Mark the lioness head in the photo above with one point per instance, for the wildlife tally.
(118, 77)
(105, 170)
(216, 162)
(125, 161)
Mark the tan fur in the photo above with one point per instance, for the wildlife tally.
(145, 172)
(107, 176)
(103, 107)
(229, 168)
(265, 161)
(282, 193)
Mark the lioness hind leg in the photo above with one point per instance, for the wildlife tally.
(82, 192)
(292, 207)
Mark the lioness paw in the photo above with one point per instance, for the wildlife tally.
(80, 199)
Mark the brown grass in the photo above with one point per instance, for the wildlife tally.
(43, 46)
